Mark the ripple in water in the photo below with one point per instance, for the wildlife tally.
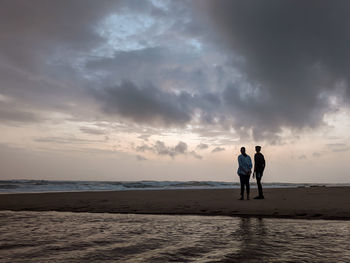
(87, 237)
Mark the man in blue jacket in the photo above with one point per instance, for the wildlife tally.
(244, 171)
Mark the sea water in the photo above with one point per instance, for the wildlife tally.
(28, 186)
(93, 237)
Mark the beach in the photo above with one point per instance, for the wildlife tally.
(304, 202)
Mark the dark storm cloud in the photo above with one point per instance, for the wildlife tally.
(44, 45)
(123, 61)
(39, 41)
(147, 105)
(31, 30)
(151, 105)
(254, 66)
(294, 54)
(174, 68)
(48, 63)
(292, 57)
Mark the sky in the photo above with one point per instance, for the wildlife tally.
(170, 90)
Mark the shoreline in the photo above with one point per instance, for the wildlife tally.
(47, 186)
(257, 216)
(318, 202)
(252, 188)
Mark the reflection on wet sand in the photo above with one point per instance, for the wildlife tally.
(86, 237)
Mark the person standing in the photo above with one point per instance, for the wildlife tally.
(259, 166)
(244, 171)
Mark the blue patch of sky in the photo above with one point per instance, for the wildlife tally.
(161, 4)
(196, 44)
(136, 31)
(126, 32)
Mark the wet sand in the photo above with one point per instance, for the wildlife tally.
(307, 202)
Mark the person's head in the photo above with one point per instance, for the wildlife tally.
(257, 149)
(243, 150)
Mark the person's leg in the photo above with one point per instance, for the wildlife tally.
(258, 180)
(247, 186)
(241, 179)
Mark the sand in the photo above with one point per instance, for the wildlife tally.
(304, 202)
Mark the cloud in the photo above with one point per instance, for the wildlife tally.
(12, 112)
(144, 137)
(202, 146)
(144, 148)
(8, 115)
(146, 105)
(35, 29)
(181, 148)
(39, 49)
(195, 155)
(251, 67)
(160, 148)
(218, 149)
(338, 147)
(63, 140)
(93, 131)
(154, 106)
(293, 57)
(283, 78)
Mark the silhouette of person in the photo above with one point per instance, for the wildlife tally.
(259, 166)
(244, 172)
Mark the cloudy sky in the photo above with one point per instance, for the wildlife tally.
(170, 90)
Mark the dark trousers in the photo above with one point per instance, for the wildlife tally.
(244, 179)
(258, 181)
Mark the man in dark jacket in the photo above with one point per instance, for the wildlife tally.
(259, 166)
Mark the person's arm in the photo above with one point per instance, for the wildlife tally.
(250, 165)
(254, 162)
(247, 166)
(263, 162)
(240, 163)
(254, 171)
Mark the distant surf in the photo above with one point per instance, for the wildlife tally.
(28, 186)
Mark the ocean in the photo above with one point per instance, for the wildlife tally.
(93, 237)
(30, 186)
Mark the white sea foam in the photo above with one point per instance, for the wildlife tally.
(25, 186)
